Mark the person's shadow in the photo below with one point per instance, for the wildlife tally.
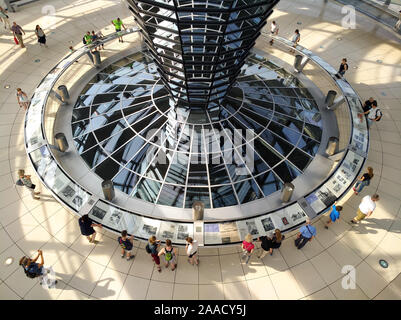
(104, 293)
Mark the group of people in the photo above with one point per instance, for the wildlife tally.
(18, 32)
(93, 38)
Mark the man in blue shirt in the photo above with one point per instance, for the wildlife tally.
(306, 233)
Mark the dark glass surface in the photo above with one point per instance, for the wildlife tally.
(160, 152)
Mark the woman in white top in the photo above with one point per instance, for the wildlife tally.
(273, 30)
(22, 98)
(192, 250)
(4, 17)
(41, 36)
(295, 39)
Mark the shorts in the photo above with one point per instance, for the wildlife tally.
(360, 216)
(191, 255)
(156, 258)
(33, 186)
(118, 30)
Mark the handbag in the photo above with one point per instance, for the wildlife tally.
(16, 40)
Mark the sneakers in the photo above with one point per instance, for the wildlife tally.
(352, 221)
(130, 257)
(326, 227)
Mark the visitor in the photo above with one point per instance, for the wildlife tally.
(22, 99)
(5, 17)
(191, 248)
(366, 208)
(374, 114)
(273, 30)
(295, 40)
(363, 181)
(306, 234)
(40, 35)
(368, 104)
(151, 248)
(88, 38)
(18, 31)
(343, 68)
(96, 38)
(268, 244)
(247, 248)
(34, 270)
(126, 245)
(334, 215)
(117, 23)
(25, 180)
(170, 255)
(86, 225)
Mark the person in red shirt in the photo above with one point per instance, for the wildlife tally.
(247, 248)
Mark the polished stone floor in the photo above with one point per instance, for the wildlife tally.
(88, 271)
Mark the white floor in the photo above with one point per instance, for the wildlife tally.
(87, 271)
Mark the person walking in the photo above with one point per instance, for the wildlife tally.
(25, 180)
(273, 30)
(17, 32)
(363, 181)
(170, 255)
(151, 248)
(86, 225)
(366, 208)
(41, 36)
(191, 248)
(334, 215)
(126, 244)
(343, 68)
(295, 40)
(247, 248)
(22, 99)
(5, 18)
(268, 244)
(117, 23)
(306, 233)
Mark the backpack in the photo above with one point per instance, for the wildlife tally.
(29, 273)
(168, 255)
(148, 249)
(376, 114)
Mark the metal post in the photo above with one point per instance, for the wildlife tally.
(297, 62)
(98, 59)
(287, 191)
(89, 54)
(61, 141)
(332, 146)
(197, 210)
(331, 95)
(336, 103)
(63, 91)
(108, 190)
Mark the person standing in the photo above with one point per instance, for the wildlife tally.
(191, 248)
(22, 99)
(363, 181)
(368, 104)
(306, 234)
(18, 31)
(40, 35)
(247, 248)
(343, 67)
(268, 244)
(25, 180)
(295, 40)
(273, 30)
(86, 225)
(151, 248)
(170, 255)
(33, 269)
(374, 114)
(126, 245)
(100, 35)
(4, 17)
(366, 208)
(88, 38)
(334, 215)
(117, 23)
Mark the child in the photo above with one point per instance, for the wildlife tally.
(247, 247)
(334, 215)
(170, 255)
(126, 244)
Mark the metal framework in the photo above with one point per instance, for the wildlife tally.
(200, 46)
